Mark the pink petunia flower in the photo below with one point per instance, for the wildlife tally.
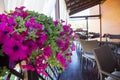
(42, 71)
(41, 64)
(47, 52)
(28, 67)
(62, 60)
(73, 47)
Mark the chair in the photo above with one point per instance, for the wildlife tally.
(116, 47)
(106, 63)
(87, 50)
(114, 36)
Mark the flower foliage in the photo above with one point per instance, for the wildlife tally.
(36, 39)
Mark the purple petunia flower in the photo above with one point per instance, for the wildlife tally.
(31, 45)
(24, 33)
(18, 37)
(11, 22)
(55, 22)
(30, 23)
(4, 32)
(3, 18)
(42, 38)
(62, 33)
(38, 26)
(66, 28)
(14, 49)
(20, 12)
(62, 21)
(60, 43)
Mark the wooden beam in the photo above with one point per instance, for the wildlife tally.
(70, 1)
(79, 3)
(85, 16)
(72, 11)
(86, 3)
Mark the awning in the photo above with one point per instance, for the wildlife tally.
(75, 6)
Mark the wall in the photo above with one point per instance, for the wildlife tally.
(63, 10)
(2, 6)
(111, 16)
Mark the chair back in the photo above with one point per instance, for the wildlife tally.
(89, 46)
(105, 59)
(114, 36)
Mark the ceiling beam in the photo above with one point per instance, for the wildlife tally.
(84, 3)
(85, 16)
(69, 1)
(76, 2)
(83, 7)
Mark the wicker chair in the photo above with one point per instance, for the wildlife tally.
(106, 63)
(87, 50)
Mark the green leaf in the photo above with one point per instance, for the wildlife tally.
(1, 52)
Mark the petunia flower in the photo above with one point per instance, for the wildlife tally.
(42, 71)
(18, 37)
(14, 49)
(38, 26)
(3, 18)
(73, 47)
(31, 45)
(66, 44)
(62, 33)
(55, 22)
(42, 37)
(60, 43)
(61, 59)
(47, 52)
(28, 67)
(41, 64)
(11, 22)
(62, 21)
(24, 34)
(66, 28)
(20, 12)
(4, 32)
(30, 23)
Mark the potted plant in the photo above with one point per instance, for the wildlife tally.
(36, 39)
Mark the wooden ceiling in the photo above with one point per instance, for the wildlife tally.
(75, 6)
